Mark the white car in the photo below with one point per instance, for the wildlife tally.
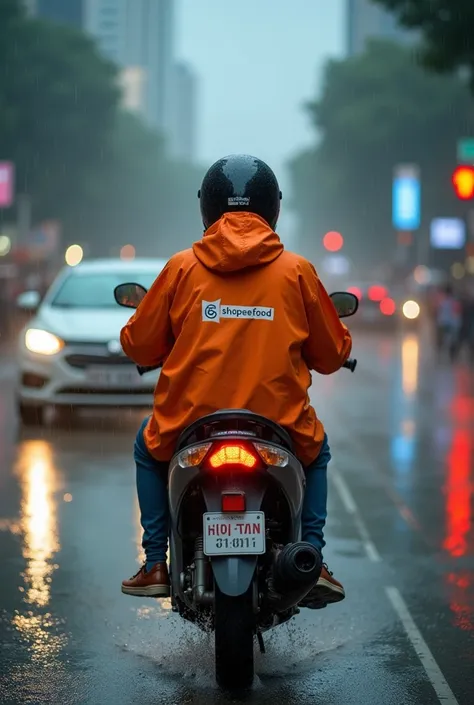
(70, 353)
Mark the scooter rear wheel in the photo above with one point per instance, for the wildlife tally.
(234, 639)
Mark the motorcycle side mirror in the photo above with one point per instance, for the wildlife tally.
(346, 304)
(129, 295)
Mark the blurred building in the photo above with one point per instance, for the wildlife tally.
(63, 11)
(366, 20)
(139, 33)
(183, 129)
(138, 36)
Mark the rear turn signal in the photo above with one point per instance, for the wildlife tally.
(276, 457)
(232, 455)
(193, 456)
(233, 502)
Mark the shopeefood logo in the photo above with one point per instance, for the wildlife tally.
(214, 311)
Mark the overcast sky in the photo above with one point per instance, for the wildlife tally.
(258, 61)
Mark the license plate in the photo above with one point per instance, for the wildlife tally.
(106, 377)
(234, 534)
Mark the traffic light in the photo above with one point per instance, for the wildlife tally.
(463, 182)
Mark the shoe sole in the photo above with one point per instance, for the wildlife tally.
(323, 594)
(328, 592)
(148, 591)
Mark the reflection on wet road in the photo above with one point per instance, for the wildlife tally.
(400, 537)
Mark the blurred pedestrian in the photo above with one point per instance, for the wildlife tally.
(448, 321)
(467, 327)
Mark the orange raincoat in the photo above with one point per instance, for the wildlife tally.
(238, 323)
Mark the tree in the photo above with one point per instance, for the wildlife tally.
(82, 160)
(446, 26)
(139, 196)
(58, 102)
(377, 110)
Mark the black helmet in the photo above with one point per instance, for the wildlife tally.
(240, 182)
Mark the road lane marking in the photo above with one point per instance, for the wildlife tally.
(351, 507)
(422, 650)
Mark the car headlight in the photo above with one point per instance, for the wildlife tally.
(43, 343)
(411, 310)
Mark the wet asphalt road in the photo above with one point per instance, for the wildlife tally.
(400, 537)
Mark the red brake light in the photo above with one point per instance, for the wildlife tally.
(233, 502)
(377, 292)
(387, 307)
(233, 455)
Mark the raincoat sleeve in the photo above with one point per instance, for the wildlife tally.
(147, 338)
(329, 342)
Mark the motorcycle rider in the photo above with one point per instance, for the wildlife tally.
(238, 322)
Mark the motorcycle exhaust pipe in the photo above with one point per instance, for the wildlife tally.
(296, 570)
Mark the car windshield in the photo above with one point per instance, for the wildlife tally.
(97, 290)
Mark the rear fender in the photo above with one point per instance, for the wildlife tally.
(233, 574)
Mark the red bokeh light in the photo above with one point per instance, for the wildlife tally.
(356, 291)
(387, 306)
(377, 293)
(463, 182)
(333, 241)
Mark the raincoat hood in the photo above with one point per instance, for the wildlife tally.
(237, 241)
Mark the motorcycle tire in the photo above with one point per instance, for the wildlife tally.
(234, 640)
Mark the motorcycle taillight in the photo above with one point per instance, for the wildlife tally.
(233, 454)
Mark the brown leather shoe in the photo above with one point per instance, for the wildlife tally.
(326, 591)
(155, 583)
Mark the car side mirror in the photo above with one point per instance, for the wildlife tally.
(346, 304)
(129, 295)
(29, 301)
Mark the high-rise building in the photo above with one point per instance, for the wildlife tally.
(138, 36)
(366, 20)
(183, 128)
(139, 33)
(63, 11)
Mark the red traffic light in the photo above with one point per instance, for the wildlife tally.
(463, 182)
(333, 241)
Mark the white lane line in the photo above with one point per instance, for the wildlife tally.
(351, 507)
(433, 671)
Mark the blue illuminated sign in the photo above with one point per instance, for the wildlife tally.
(406, 200)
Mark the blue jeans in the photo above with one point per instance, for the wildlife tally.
(153, 500)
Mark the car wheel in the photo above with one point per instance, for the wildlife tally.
(31, 415)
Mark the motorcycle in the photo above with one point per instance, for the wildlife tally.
(238, 566)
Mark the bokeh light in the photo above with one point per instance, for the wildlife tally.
(411, 310)
(5, 245)
(74, 255)
(377, 292)
(333, 241)
(127, 252)
(387, 307)
(458, 270)
(422, 274)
